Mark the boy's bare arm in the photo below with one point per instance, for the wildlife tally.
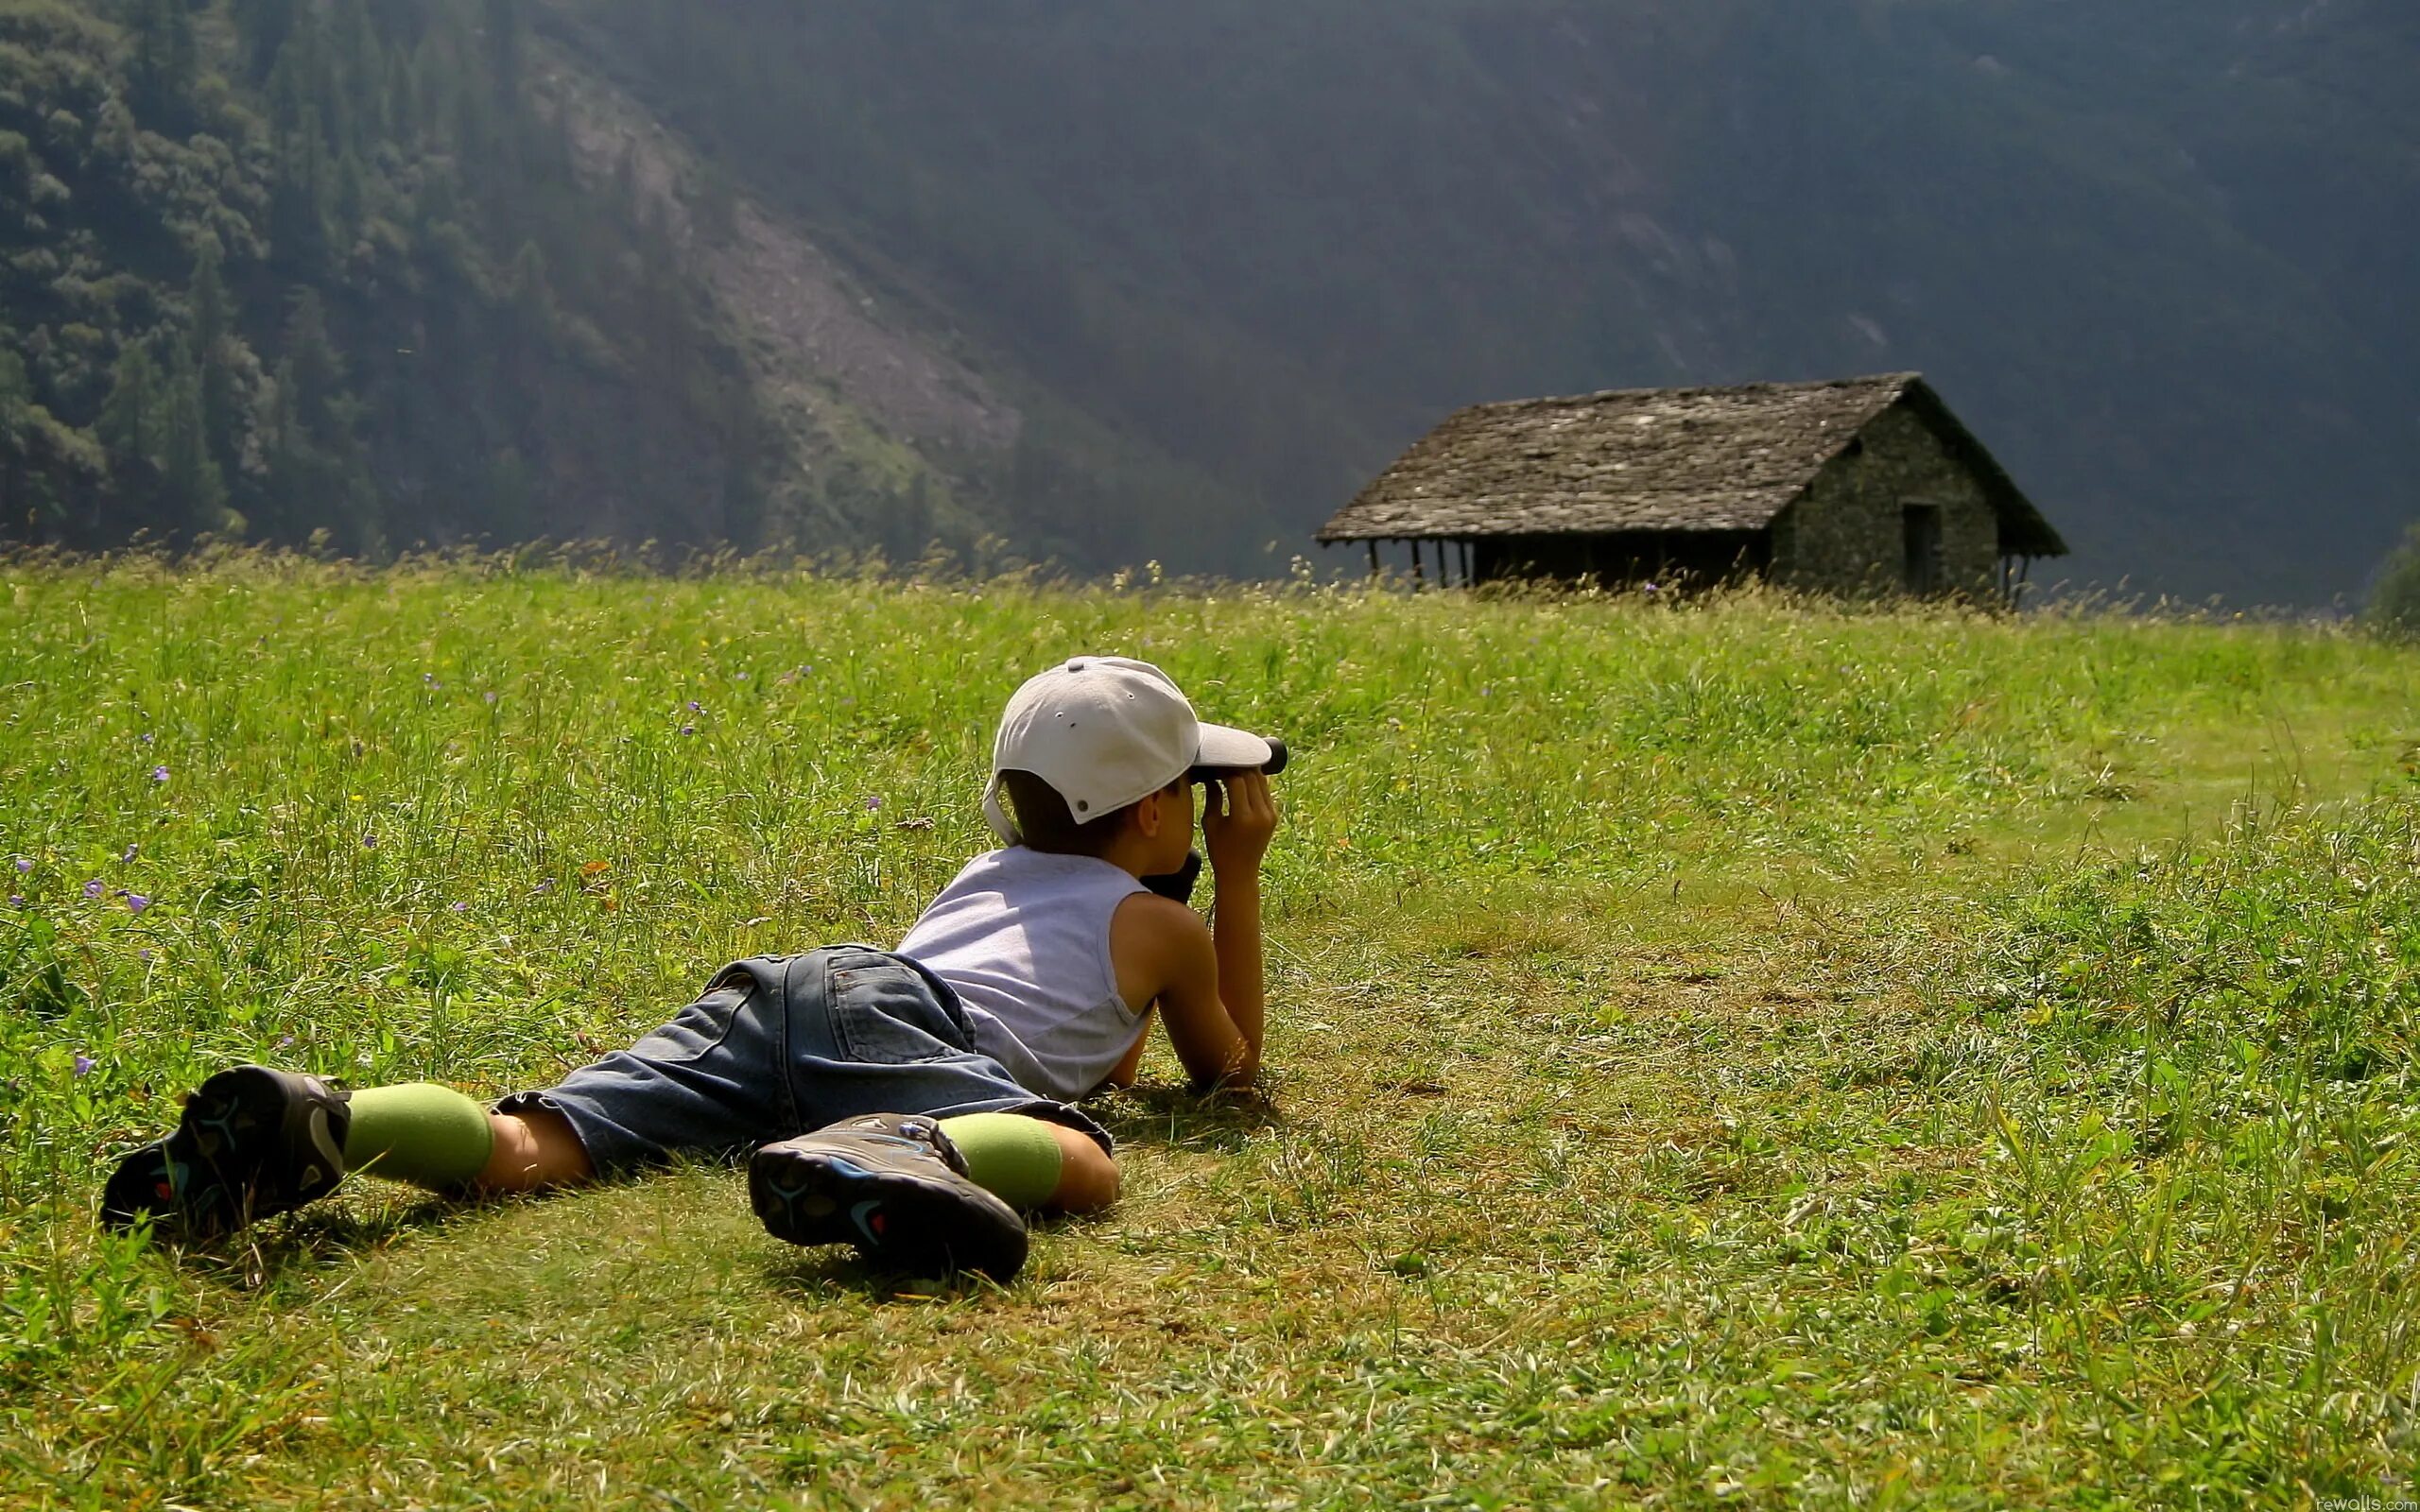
(1163, 952)
(1238, 819)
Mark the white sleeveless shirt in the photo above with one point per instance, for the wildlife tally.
(1023, 937)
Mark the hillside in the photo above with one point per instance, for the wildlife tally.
(1103, 283)
(2153, 260)
(370, 273)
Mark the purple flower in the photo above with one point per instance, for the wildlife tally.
(16, 899)
(287, 1041)
(1650, 588)
(1486, 691)
(159, 774)
(461, 908)
(129, 854)
(24, 864)
(370, 842)
(489, 696)
(688, 730)
(697, 708)
(872, 803)
(147, 737)
(144, 955)
(84, 1064)
(543, 888)
(93, 888)
(136, 903)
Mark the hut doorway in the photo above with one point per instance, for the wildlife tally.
(1920, 530)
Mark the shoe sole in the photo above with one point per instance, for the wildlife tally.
(895, 1219)
(229, 1130)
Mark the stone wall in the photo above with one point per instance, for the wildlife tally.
(1846, 535)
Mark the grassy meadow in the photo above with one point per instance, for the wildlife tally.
(1756, 1055)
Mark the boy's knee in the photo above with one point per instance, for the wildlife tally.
(1087, 1176)
(534, 1150)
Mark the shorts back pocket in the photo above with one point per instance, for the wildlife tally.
(885, 1011)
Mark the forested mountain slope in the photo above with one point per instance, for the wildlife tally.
(369, 271)
(1117, 282)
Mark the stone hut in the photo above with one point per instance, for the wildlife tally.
(1860, 487)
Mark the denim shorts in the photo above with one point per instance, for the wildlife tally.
(783, 1045)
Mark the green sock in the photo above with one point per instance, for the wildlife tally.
(1015, 1159)
(427, 1135)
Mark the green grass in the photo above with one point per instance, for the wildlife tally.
(1757, 1055)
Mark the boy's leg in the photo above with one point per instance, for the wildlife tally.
(446, 1141)
(925, 1148)
(253, 1142)
(1032, 1163)
(250, 1142)
(533, 1151)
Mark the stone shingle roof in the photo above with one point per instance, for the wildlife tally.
(1652, 460)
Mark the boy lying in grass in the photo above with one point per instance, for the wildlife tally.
(908, 1102)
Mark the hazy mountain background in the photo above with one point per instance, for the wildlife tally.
(1105, 282)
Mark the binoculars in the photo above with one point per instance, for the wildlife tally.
(1276, 764)
(1180, 884)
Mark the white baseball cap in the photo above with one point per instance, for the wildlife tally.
(1104, 732)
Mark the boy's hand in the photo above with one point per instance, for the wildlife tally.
(1239, 818)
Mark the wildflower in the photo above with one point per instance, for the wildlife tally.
(490, 696)
(688, 730)
(16, 899)
(84, 1064)
(1650, 588)
(543, 888)
(144, 955)
(696, 708)
(370, 842)
(93, 888)
(287, 1041)
(1486, 691)
(24, 864)
(129, 854)
(136, 903)
(159, 774)
(872, 803)
(461, 908)
(147, 737)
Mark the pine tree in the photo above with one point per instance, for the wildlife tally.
(533, 294)
(318, 370)
(128, 424)
(195, 490)
(360, 68)
(403, 100)
(211, 334)
(263, 26)
(503, 25)
(164, 65)
(300, 192)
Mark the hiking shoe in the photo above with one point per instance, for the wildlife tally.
(250, 1143)
(896, 1188)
